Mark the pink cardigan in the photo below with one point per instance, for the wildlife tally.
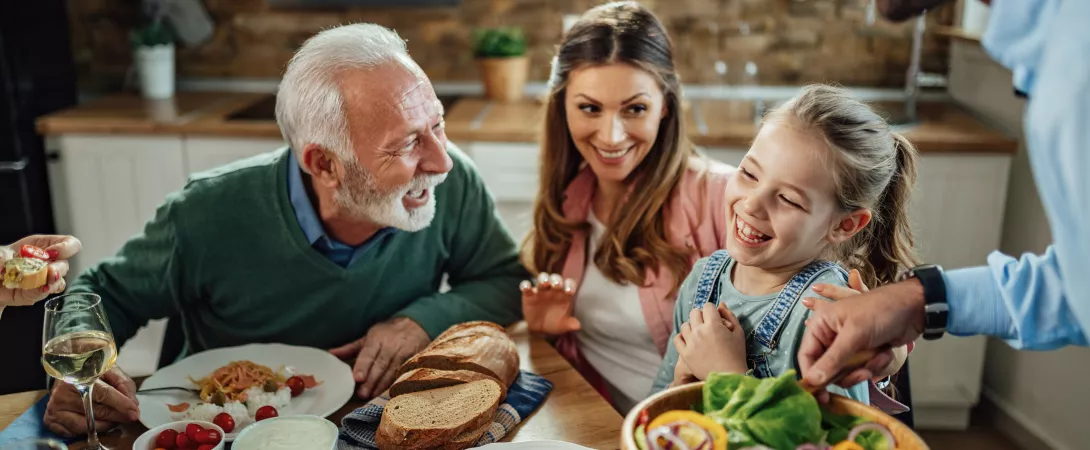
(695, 219)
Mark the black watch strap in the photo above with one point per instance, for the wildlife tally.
(936, 311)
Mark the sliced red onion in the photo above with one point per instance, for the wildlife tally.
(873, 426)
(809, 447)
(673, 442)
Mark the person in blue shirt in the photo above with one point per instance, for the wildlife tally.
(1036, 302)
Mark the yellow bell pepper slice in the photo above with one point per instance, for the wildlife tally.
(848, 445)
(718, 433)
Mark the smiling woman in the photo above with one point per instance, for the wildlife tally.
(626, 205)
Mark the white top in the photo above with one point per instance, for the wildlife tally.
(614, 338)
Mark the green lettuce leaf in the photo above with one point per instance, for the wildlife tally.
(774, 412)
(839, 427)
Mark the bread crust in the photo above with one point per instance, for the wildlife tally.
(481, 347)
(423, 379)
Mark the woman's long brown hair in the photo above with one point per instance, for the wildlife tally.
(624, 33)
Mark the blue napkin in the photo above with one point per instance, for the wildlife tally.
(525, 395)
(31, 426)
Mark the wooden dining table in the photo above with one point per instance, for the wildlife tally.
(573, 412)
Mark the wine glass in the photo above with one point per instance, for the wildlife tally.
(78, 347)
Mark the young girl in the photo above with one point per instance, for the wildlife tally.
(825, 180)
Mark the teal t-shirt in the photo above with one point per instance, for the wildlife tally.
(750, 309)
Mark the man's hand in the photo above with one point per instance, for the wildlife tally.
(59, 248)
(897, 355)
(381, 352)
(547, 306)
(114, 396)
(712, 341)
(890, 315)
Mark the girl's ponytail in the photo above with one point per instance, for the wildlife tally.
(889, 246)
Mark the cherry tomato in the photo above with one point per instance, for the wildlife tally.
(30, 251)
(166, 439)
(191, 431)
(643, 418)
(182, 441)
(225, 421)
(206, 447)
(207, 436)
(265, 412)
(296, 385)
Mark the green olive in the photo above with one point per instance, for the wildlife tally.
(218, 398)
(271, 386)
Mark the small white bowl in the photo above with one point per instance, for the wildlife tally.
(287, 430)
(146, 441)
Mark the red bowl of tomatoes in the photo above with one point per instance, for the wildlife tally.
(183, 435)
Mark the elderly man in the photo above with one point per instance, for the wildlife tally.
(347, 234)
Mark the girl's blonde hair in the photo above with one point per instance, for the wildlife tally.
(628, 33)
(875, 168)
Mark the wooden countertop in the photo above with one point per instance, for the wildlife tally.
(943, 127)
(573, 411)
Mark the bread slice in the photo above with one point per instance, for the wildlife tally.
(436, 417)
(460, 442)
(417, 380)
(25, 273)
(476, 346)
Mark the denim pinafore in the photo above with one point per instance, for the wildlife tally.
(762, 341)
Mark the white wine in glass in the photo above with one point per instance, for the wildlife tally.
(78, 348)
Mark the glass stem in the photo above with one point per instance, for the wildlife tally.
(89, 411)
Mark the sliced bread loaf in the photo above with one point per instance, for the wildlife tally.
(417, 380)
(436, 417)
(479, 347)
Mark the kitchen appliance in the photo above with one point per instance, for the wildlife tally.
(37, 76)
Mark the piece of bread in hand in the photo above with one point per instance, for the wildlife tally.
(417, 380)
(25, 273)
(482, 347)
(439, 418)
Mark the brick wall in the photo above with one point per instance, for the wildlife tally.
(789, 41)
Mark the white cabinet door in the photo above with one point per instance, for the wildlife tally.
(112, 186)
(203, 153)
(957, 218)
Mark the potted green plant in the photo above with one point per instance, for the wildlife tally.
(501, 57)
(153, 55)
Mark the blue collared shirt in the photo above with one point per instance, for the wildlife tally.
(1040, 301)
(341, 254)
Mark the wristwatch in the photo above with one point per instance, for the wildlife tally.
(936, 311)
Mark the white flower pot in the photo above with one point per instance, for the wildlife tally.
(156, 68)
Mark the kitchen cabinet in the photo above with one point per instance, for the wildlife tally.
(203, 153)
(106, 187)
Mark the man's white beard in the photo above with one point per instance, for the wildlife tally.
(360, 197)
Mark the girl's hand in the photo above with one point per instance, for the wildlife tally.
(712, 341)
(856, 287)
(682, 373)
(547, 306)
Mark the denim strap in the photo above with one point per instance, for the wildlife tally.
(770, 325)
(707, 288)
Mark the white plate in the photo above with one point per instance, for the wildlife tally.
(533, 445)
(336, 388)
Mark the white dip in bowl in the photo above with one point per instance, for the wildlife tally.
(288, 433)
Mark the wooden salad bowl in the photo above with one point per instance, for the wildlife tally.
(686, 396)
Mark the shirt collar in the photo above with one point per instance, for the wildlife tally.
(1016, 36)
(300, 202)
